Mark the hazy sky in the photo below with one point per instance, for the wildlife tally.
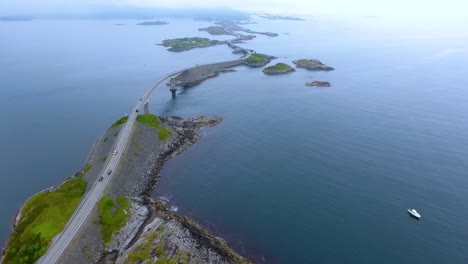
(404, 8)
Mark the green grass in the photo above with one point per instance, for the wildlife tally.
(105, 140)
(153, 120)
(138, 146)
(104, 158)
(119, 122)
(278, 67)
(145, 250)
(116, 133)
(142, 251)
(43, 216)
(112, 215)
(257, 59)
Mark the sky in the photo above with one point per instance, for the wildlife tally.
(389, 8)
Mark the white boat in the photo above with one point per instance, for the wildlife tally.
(414, 213)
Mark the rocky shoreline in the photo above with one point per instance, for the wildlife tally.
(183, 239)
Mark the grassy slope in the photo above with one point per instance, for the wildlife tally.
(153, 120)
(278, 67)
(112, 215)
(257, 58)
(42, 217)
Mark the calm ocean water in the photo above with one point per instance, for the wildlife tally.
(294, 174)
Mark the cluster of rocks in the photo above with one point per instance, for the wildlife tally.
(169, 236)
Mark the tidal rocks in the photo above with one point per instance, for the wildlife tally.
(279, 68)
(318, 84)
(168, 237)
(313, 65)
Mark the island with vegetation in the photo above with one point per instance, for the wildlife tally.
(258, 60)
(313, 65)
(216, 30)
(318, 84)
(152, 23)
(182, 44)
(279, 68)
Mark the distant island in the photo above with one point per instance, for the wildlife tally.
(182, 44)
(313, 65)
(152, 23)
(318, 84)
(279, 17)
(216, 30)
(279, 68)
(15, 18)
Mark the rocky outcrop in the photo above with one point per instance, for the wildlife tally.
(153, 228)
(171, 237)
(318, 84)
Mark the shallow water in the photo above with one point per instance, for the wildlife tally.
(294, 174)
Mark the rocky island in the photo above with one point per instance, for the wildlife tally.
(313, 65)
(318, 84)
(258, 60)
(182, 44)
(152, 23)
(279, 68)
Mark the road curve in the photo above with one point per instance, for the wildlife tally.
(60, 242)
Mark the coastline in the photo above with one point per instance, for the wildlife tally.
(185, 134)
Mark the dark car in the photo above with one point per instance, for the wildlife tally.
(100, 179)
(136, 110)
(109, 172)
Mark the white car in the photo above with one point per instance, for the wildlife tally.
(115, 152)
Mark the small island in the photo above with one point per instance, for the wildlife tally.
(258, 60)
(279, 68)
(152, 23)
(318, 84)
(216, 30)
(313, 65)
(182, 44)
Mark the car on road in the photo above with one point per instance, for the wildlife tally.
(101, 178)
(109, 172)
(136, 110)
(115, 152)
